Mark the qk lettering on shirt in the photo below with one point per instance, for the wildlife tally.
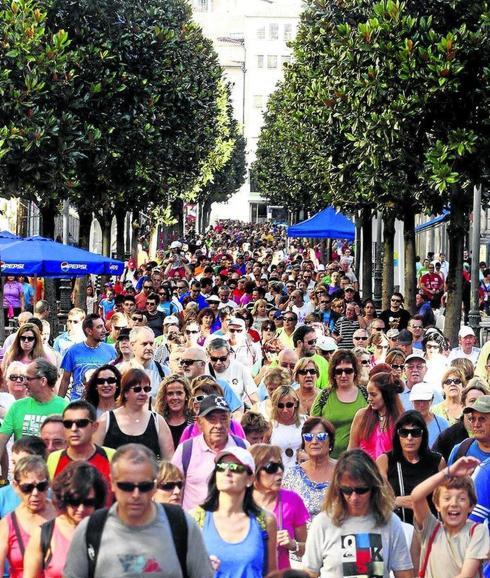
(362, 556)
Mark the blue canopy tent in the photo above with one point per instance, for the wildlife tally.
(444, 216)
(38, 256)
(327, 224)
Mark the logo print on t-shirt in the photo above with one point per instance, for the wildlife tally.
(362, 556)
(137, 564)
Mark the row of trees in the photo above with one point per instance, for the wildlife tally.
(384, 111)
(115, 105)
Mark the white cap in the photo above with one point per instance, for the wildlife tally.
(421, 392)
(321, 267)
(176, 245)
(237, 321)
(241, 454)
(326, 343)
(416, 355)
(171, 320)
(465, 331)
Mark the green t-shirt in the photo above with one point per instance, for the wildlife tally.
(341, 415)
(26, 415)
(322, 363)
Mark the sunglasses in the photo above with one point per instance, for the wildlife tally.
(28, 338)
(397, 366)
(360, 490)
(140, 388)
(130, 487)
(415, 432)
(14, 377)
(199, 398)
(137, 318)
(360, 338)
(80, 423)
(272, 467)
(365, 362)
(188, 362)
(190, 332)
(29, 488)
(216, 359)
(311, 342)
(108, 380)
(170, 486)
(450, 381)
(288, 405)
(395, 301)
(307, 372)
(232, 467)
(147, 286)
(289, 319)
(77, 502)
(347, 371)
(235, 330)
(319, 437)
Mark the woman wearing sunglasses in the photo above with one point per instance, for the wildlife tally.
(132, 421)
(274, 377)
(27, 346)
(396, 360)
(378, 345)
(306, 374)
(286, 422)
(240, 537)
(451, 408)
(288, 507)
(103, 388)
(15, 380)
(170, 482)
(340, 402)
(77, 492)
(31, 482)
(357, 533)
(172, 403)
(311, 478)
(409, 462)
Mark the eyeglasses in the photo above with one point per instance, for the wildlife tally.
(450, 381)
(130, 487)
(191, 332)
(188, 362)
(147, 286)
(223, 358)
(272, 467)
(29, 488)
(397, 366)
(477, 420)
(365, 362)
(140, 388)
(80, 423)
(29, 338)
(137, 318)
(77, 502)
(346, 370)
(170, 486)
(360, 490)
(415, 432)
(396, 300)
(288, 405)
(360, 338)
(319, 437)
(14, 377)
(307, 372)
(232, 467)
(108, 380)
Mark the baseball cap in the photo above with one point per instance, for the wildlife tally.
(170, 320)
(211, 403)
(405, 337)
(482, 404)
(392, 334)
(465, 331)
(176, 245)
(321, 267)
(349, 288)
(415, 356)
(421, 392)
(326, 343)
(278, 314)
(241, 454)
(213, 299)
(237, 321)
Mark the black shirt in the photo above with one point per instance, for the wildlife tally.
(448, 438)
(395, 319)
(155, 322)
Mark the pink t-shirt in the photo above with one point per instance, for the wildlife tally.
(14, 554)
(193, 430)
(60, 545)
(290, 512)
(12, 292)
(379, 442)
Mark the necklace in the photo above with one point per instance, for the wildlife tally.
(92, 346)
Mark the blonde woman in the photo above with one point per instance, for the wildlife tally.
(306, 374)
(170, 482)
(451, 408)
(172, 403)
(274, 377)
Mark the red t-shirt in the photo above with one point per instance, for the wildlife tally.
(432, 281)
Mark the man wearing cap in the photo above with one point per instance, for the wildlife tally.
(240, 342)
(466, 348)
(395, 317)
(405, 340)
(479, 446)
(195, 457)
(415, 370)
(421, 396)
(325, 348)
(392, 336)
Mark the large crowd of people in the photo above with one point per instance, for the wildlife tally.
(234, 409)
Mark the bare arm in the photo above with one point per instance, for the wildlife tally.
(471, 567)
(4, 534)
(33, 558)
(165, 439)
(4, 438)
(271, 542)
(64, 383)
(382, 463)
(404, 573)
(355, 437)
(99, 434)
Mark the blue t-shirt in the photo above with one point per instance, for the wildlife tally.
(9, 500)
(28, 293)
(231, 398)
(474, 451)
(107, 306)
(481, 512)
(435, 427)
(80, 358)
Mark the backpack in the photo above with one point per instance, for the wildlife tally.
(464, 446)
(161, 373)
(326, 394)
(178, 528)
(46, 536)
(187, 451)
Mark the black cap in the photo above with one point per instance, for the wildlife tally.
(213, 402)
(405, 337)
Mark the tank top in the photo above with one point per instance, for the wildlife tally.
(243, 559)
(379, 442)
(114, 438)
(60, 545)
(288, 438)
(14, 553)
(177, 431)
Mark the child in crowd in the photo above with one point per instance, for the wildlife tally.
(454, 547)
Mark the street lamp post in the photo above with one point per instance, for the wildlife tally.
(378, 267)
(474, 314)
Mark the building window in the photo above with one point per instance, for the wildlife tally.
(286, 59)
(202, 5)
(260, 61)
(261, 33)
(272, 61)
(273, 31)
(288, 32)
(258, 101)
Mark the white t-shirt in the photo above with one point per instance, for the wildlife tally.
(240, 380)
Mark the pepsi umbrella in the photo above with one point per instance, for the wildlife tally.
(47, 258)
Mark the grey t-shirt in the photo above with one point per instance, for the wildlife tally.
(357, 548)
(138, 551)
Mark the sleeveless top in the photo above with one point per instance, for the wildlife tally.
(60, 545)
(412, 475)
(288, 438)
(243, 559)
(14, 551)
(379, 442)
(114, 437)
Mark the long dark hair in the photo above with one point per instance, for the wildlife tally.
(389, 386)
(91, 393)
(211, 503)
(411, 417)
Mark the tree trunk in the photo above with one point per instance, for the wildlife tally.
(85, 218)
(367, 254)
(456, 232)
(410, 271)
(48, 213)
(388, 265)
(178, 213)
(105, 221)
(120, 220)
(357, 244)
(134, 236)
